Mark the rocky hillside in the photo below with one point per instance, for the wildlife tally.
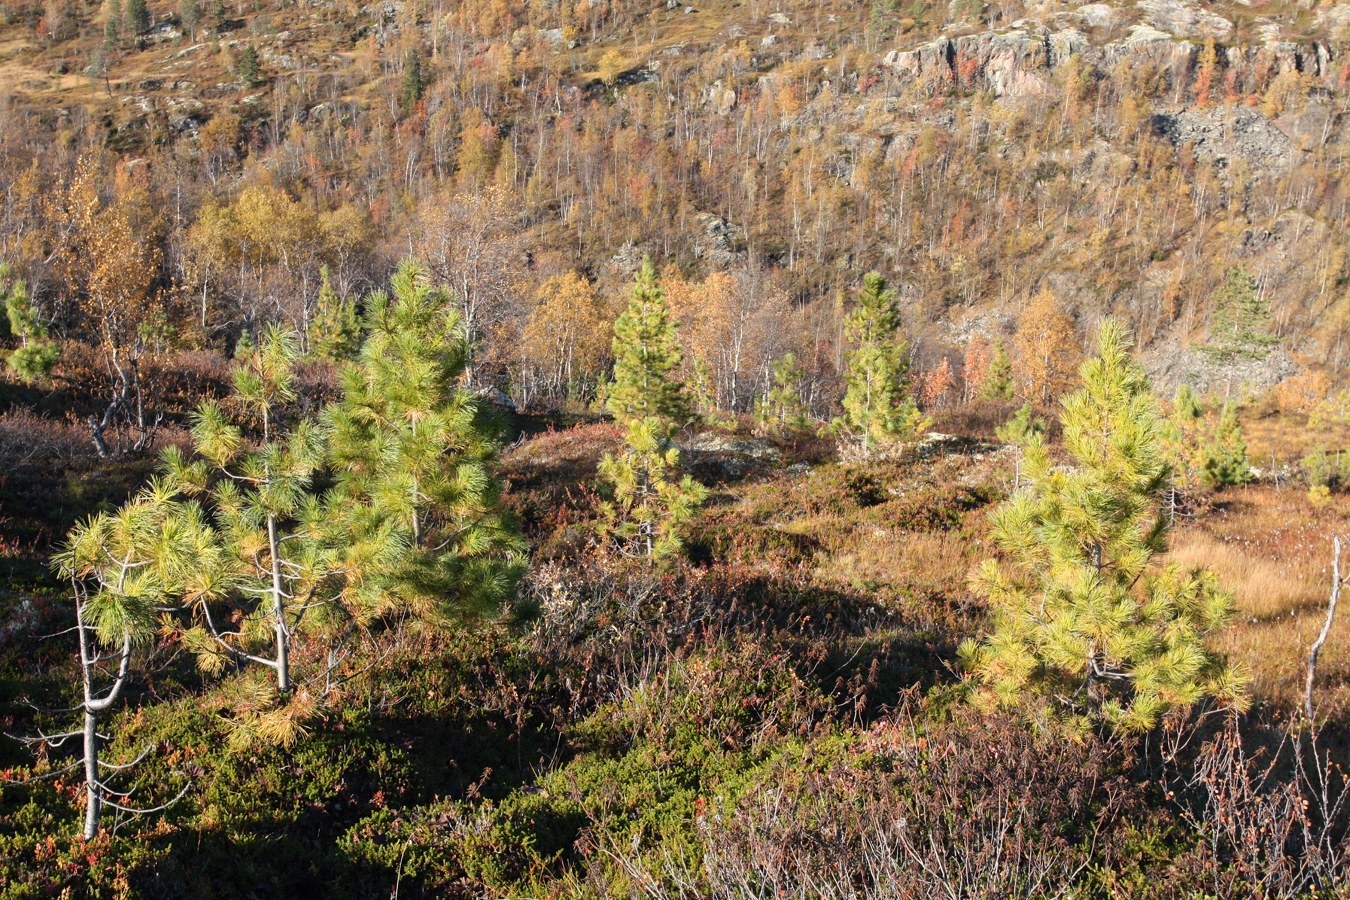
(1122, 156)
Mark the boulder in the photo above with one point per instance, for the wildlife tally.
(1184, 20)
(1098, 15)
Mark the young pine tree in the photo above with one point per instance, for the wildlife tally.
(1186, 406)
(1082, 615)
(189, 15)
(998, 384)
(1223, 457)
(1183, 442)
(272, 564)
(249, 69)
(123, 567)
(35, 356)
(112, 21)
(1239, 326)
(1022, 428)
(138, 17)
(335, 328)
(414, 82)
(701, 395)
(646, 357)
(413, 454)
(781, 408)
(652, 505)
(877, 405)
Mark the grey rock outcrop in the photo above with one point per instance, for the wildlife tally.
(1222, 134)
(1021, 62)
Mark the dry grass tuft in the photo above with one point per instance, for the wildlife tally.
(1272, 549)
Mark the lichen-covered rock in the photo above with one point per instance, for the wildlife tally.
(1184, 20)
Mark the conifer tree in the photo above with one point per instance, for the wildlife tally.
(112, 23)
(271, 559)
(652, 505)
(250, 70)
(1082, 614)
(335, 329)
(414, 82)
(877, 405)
(1186, 406)
(1239, 325)
(123, 568)
(138, 17)
(1183, 442)
(189, 14)
(781, 408)
(1022, 428)
(35, 357)
(413, 454)
(700, 389)
(998, 384)
(1223, 458)
(646, 357)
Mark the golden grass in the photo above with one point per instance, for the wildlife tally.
(1287, 437)
(924, 561)
(1272, 549)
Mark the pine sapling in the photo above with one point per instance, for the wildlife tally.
(413, 453)
(125, 569)
(781, 408)
(35, 356)
(877, 407)
(1084, 618)
(646, 357)
(652, 506)
(274, 575)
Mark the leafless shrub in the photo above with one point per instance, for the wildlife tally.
(978, 809)
(27, 437)
(1270, 812)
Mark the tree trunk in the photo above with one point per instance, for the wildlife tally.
(93, 804)
(279, 613)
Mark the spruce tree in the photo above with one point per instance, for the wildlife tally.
(1239, 326)
(138, 17)
(335, 329)
(998, 385)
(1082, 615)
(877, 405)
(413, 453)
(35, 356)
(781, 408)
(414, 82)
(646, 357)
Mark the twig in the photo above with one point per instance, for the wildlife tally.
(1336, 581)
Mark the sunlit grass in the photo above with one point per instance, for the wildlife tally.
(1272, 548)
